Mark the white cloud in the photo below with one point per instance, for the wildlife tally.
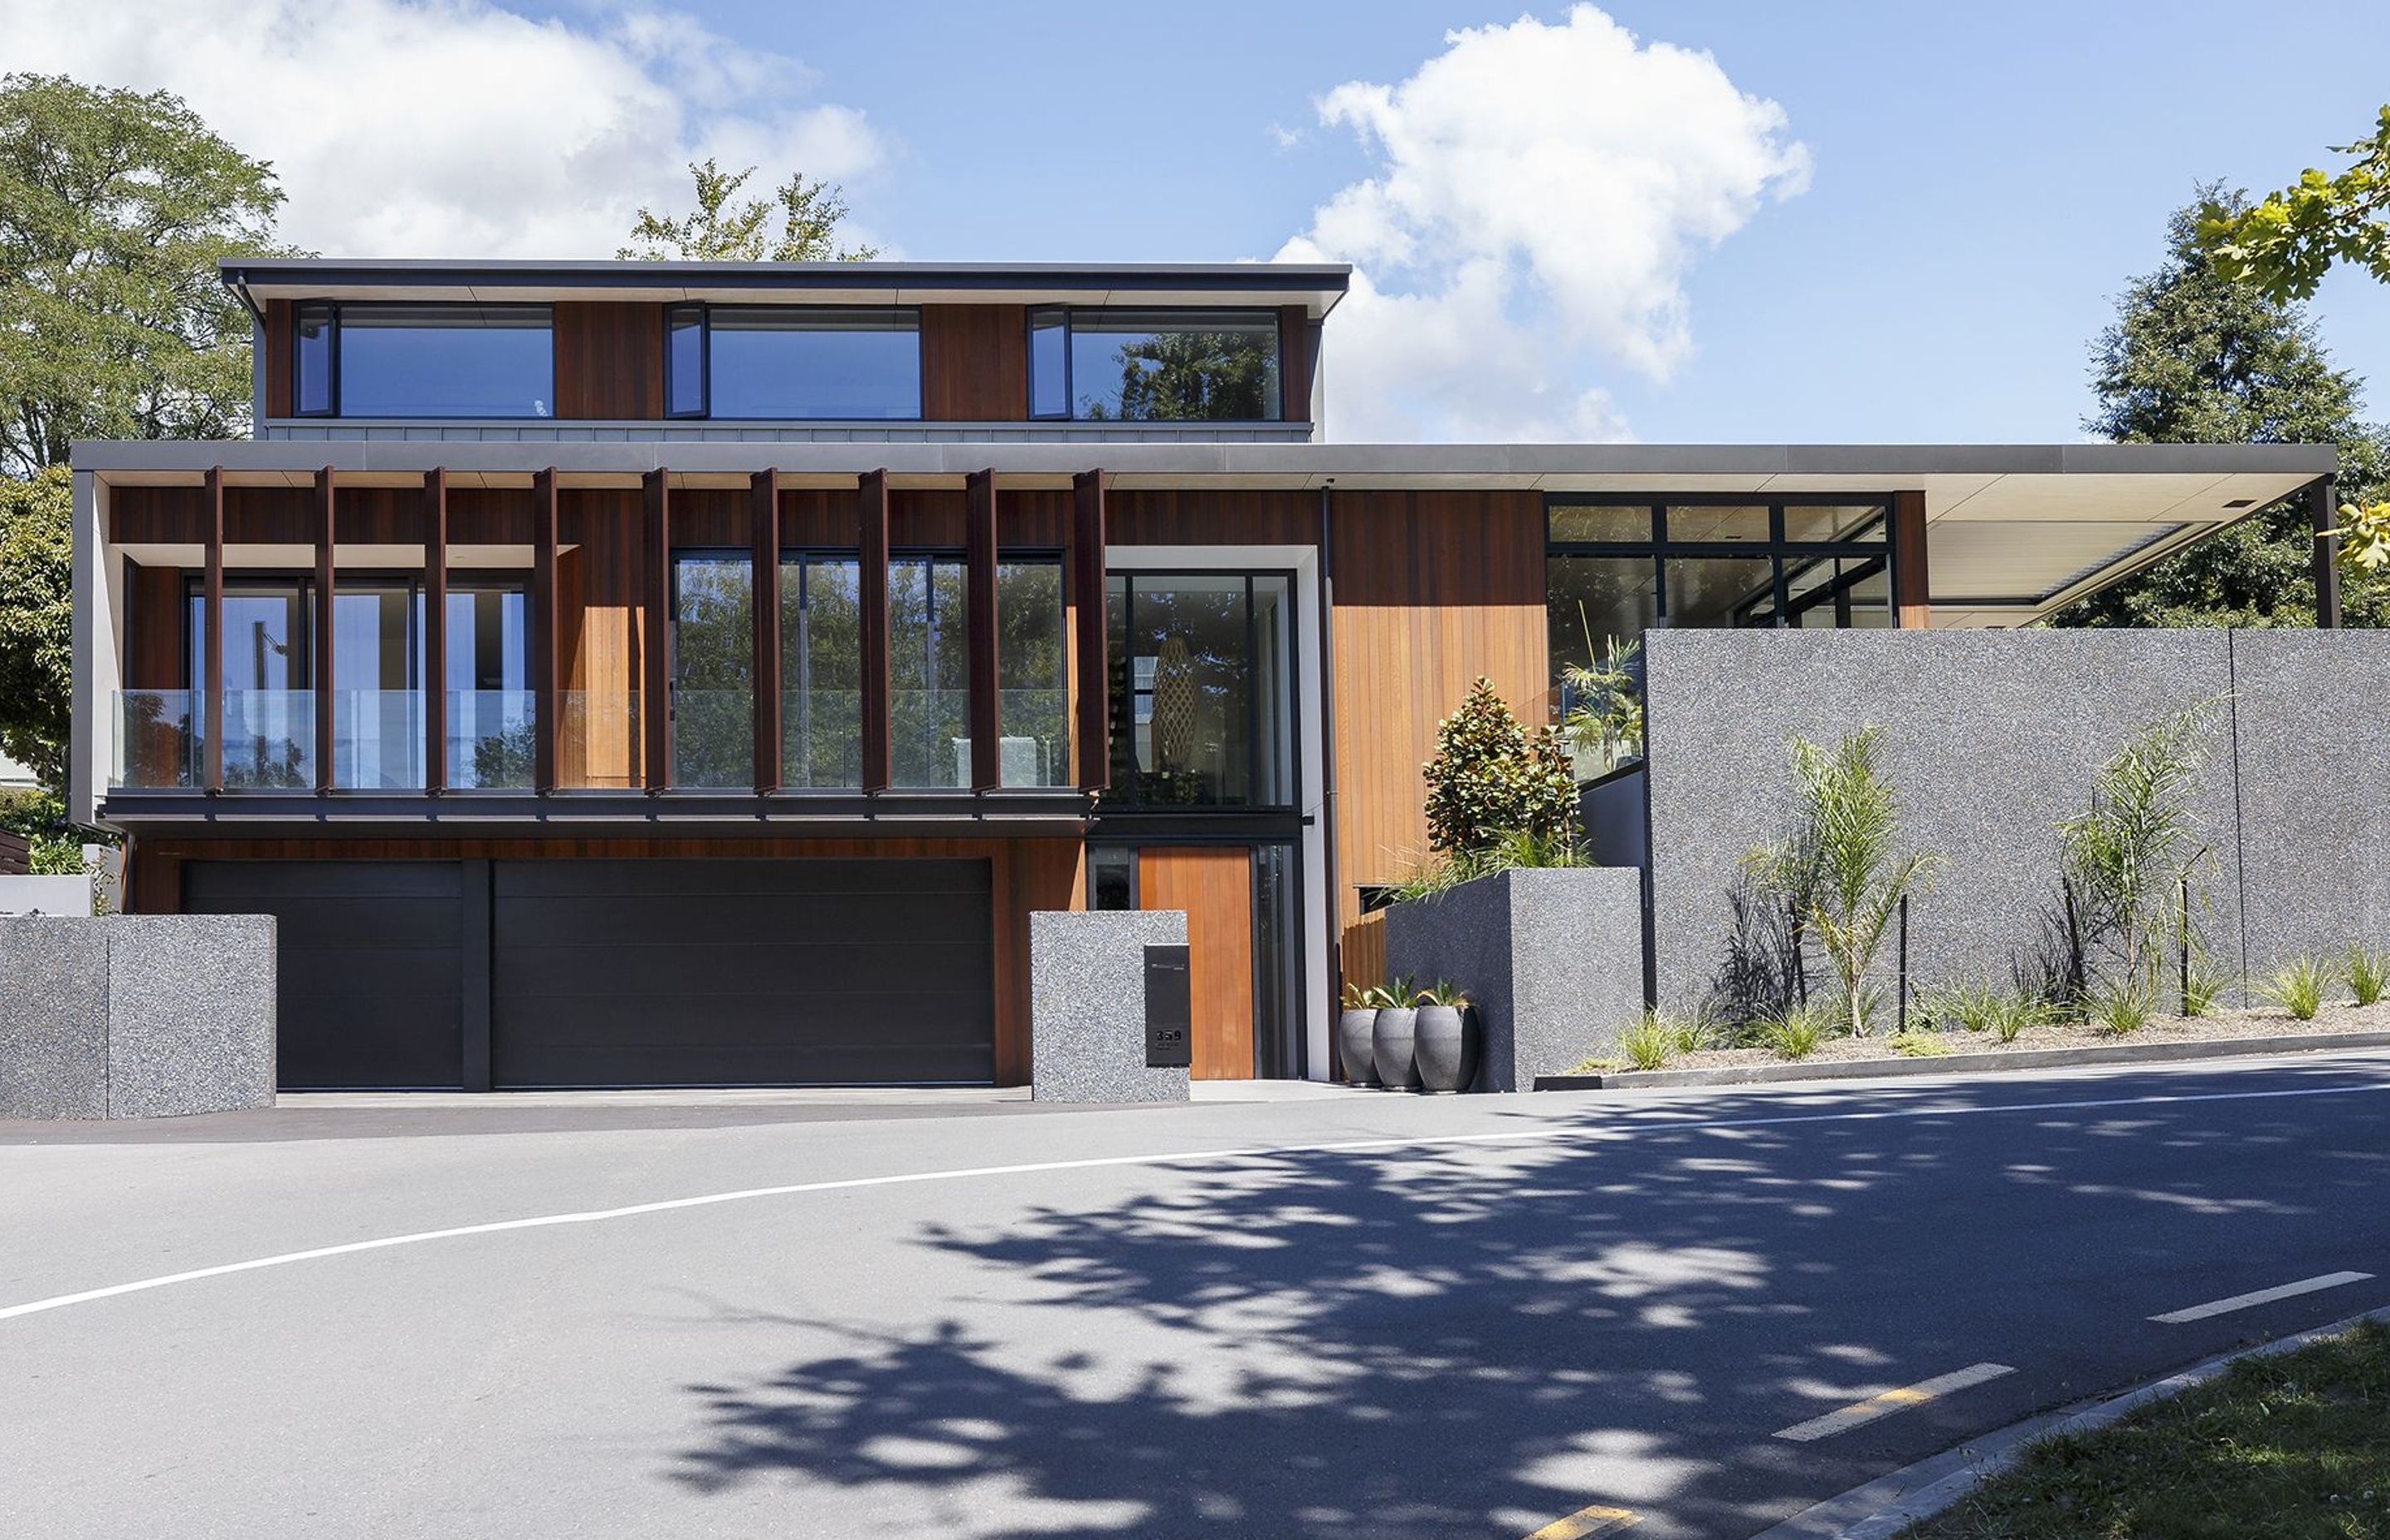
(1542, 190)
(451, 128)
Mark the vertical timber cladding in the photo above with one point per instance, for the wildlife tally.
(1020, 876)
(1433, 589)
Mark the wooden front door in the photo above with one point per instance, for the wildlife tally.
(1214, 885)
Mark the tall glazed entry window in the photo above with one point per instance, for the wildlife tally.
(1201, 689)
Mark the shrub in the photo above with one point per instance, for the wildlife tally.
(1650, 1043)
(1969, 1007)
(1918, 1045)
(1694, 1034)
(2368, 973)
(2013, 1013)
(1603, 723)
(1837, 872)
(2122, 1008)
(1795, 1033)
(1491, 777)
(2298, 986)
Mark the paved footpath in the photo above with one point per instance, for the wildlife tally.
(1340, 1316)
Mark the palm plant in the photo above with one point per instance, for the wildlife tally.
(1603, 722)
(2132, 851)
(1838, 873)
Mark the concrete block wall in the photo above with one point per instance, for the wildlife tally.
(1992, 737)
(1552, 959)
(140, 1017)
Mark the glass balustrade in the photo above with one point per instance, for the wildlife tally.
(269, 739)
(490, 740)
(378, 740)
(156, 740)
(821, 740)
(600, 747)
(929, 738)
(1034, 743)
(714, 739)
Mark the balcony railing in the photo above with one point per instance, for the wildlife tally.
(490, 740)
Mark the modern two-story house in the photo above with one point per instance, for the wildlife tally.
(623, 673)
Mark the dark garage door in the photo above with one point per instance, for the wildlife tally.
(370, 965)
(743, 972)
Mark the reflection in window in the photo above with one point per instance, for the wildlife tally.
(928, 680)
(377, 709)
(1111, 877)
(789, 362)
(1034, 702)
(1598, 604)
(821, 671)
(440, 361)
(491, 709)
(311, 361)
(1150, 366)
(269, 705)
(1200, 713)
(713, 673)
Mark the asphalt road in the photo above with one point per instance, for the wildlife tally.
(1375, 1317)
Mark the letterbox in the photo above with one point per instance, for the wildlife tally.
(1169, 1009)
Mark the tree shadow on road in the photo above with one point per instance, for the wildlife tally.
(1473, 1340)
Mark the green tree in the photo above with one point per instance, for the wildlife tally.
(2195, 358)
(114, 208)
(37, 621)
(1491, 778)
(725, 227)
(2283, 244)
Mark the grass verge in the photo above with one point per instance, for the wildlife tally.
(2288, 1446)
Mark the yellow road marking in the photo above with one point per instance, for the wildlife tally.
(1588, 1522)
(1885, 1403)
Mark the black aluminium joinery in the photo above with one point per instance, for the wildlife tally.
(1783, 556)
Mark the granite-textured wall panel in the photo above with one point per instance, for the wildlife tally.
(190, 1014)
(53, 1019)
(1990, 737)
(1553, 959)
(2314, 757)
(1086, 1005)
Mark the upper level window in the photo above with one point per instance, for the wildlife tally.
(423, 360)
(1155, 366)
(793, 363)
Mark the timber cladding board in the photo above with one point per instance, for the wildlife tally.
(974, 363)
(1433, 590)
(603, 627)
(1025, 874)
(609, 361)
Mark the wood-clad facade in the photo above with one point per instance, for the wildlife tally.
(979, 669)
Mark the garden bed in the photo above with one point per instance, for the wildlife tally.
(2045, 1045)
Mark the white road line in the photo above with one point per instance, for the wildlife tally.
(1889, 1402)
(2262, 1296)
(1425, 1141)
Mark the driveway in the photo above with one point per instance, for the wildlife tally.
(1343, 1316)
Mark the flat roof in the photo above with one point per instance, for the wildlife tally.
(2013, 530)
(1315, 286)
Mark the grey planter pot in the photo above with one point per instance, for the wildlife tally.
(1446, 1043)
(1353, 1047)
(1390, 1049)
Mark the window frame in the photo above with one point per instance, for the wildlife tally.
(1779, 553)
(704, 311)
(335, 312)
(1123, 711)
(1069, 315)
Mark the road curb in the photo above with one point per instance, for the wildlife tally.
(1957, 1063)
(1882, 1508)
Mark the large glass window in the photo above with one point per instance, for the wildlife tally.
(377, 669)
(712, 671)
(491, 706)
(1155, 366)
(425, 361)
(1616, 569)
(821, 671)
(783, 362)
(1034, 698)
(269, 704)
(1202, 710)
(929, 677)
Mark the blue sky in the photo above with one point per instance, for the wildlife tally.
(1754, 221)
(1986, 176)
